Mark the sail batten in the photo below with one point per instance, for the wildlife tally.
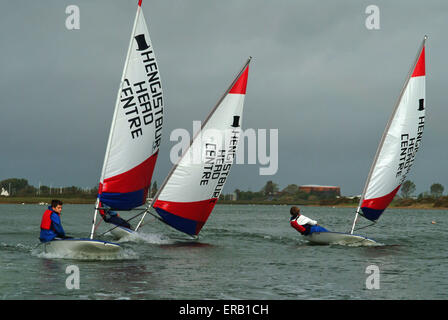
(400, 142)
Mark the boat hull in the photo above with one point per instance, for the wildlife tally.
(339, 238)
(121, 232)
(88, 246)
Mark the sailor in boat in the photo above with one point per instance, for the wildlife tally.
(113, 217)
(51, 226)
(304, 225)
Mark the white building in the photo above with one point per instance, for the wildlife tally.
(4, 193)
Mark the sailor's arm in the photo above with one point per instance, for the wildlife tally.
(57, 225)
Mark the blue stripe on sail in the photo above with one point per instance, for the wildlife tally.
(371, 214)
(123, 201)
(182, 224)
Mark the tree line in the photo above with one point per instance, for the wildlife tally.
(434, 196)
(271, 192)
(16, 187)
(408, 189)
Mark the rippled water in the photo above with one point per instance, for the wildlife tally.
(244, 252)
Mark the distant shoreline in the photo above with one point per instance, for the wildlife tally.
(43, 201)
(347, 205)
(36, 200)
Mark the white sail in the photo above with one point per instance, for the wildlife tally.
(400, 142)
(194, 185)
(136, 128)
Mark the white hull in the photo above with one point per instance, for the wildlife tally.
(80, 246)
(121, 232)
(339, 238)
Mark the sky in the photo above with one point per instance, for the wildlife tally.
(318, 75)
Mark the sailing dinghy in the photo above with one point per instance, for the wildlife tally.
(340, 238)
(133, 143)
(194, 184)
(135, 132)
(394, 157)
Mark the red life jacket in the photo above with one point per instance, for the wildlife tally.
(46, 220)
(297, 226)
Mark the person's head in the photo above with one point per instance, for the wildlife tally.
(56, 205)
(295, 211)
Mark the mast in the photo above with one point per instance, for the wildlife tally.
(117, 101)
(192, 140)
(380, 146)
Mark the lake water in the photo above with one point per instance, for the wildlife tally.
(244, 252)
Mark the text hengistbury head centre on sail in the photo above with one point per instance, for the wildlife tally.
(257, 146)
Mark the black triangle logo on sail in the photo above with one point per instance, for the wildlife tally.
(421, 104)
(236, 120)
(141, 42)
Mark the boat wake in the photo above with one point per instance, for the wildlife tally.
(124, 254)
(356, 244)
(16, 247)
(151, 238)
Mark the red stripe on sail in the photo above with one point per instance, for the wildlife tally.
(240, 86)
(196, 210)
(135, 179)
(140, 3)
(380, 203)
(420, 66)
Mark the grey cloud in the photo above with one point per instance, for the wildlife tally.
(318, 75)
